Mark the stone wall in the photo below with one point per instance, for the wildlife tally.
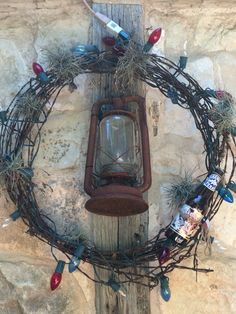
(206, 31)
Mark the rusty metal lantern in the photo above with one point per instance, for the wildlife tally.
(118, 159)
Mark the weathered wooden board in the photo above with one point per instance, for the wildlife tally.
(109, 232)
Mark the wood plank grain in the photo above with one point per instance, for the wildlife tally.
(110, 232)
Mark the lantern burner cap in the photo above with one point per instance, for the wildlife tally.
(116, 200)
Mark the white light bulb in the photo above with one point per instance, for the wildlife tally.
(6, 222)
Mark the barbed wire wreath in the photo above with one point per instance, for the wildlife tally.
(20, 136)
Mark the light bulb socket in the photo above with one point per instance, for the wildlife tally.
(164, 280)
(210, 92)
(147, 47)
(114, 285)
(15, 215)
(60, 267)
(232, 185)
(168, 243)
(42, 76)
(183, 62)
(123, 35)
(73, 265)
(173, 95)
(79, 250)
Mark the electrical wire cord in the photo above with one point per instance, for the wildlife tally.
(112, 26)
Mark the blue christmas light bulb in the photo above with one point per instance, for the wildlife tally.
(165, 290)
(76, 258)
(226, 194)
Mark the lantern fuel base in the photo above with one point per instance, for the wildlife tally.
(118, 167)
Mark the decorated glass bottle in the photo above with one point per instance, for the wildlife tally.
(191, 214)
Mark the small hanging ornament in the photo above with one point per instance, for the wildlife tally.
(57, 275)
(152, 40)
(39, 71)
(76, 258)
(226, 194)
(165, 289)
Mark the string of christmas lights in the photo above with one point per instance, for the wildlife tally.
(21, 126)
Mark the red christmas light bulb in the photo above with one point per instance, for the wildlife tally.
(220, 94)
(37, 68)
(164, 255)
(155, 36)
(55, 280)
(109, 41)
(57, 275)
